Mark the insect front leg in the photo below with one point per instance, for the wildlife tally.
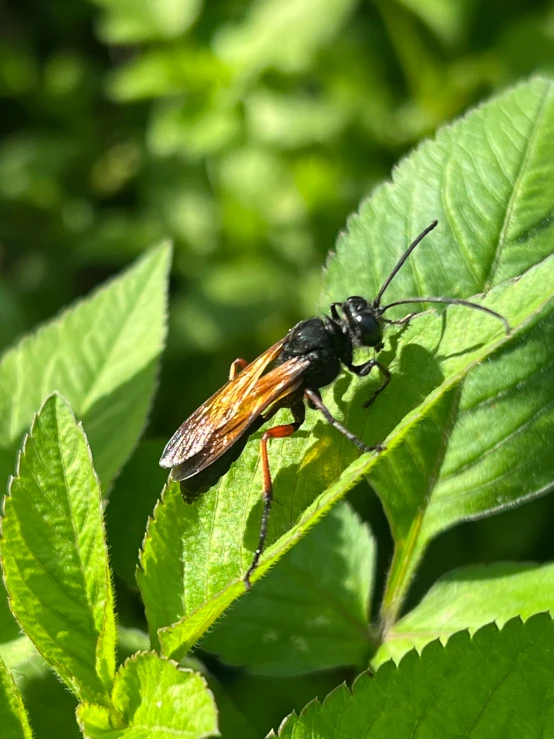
(277, 432)
(314, 398)
(236, 366)
(363, 370)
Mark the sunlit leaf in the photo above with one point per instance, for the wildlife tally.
(54, 554)
(479, 450)
(493, 685)
(152, 696)
(102, 355)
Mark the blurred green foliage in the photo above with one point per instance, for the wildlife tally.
(244, 131)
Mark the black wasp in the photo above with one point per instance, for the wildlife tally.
(288, 375)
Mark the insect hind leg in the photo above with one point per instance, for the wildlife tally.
(315, 398)
(276, 432)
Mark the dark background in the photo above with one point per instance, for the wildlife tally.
(246, 132)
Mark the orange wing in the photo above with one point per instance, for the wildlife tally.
(219, 422)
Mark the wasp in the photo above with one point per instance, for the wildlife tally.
(287, 375)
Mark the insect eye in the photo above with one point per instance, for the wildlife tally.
(370, 333)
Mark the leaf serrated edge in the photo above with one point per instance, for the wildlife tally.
(76, 687)
(412, 654)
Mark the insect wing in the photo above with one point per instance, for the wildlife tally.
(269, 389)
(192, 436)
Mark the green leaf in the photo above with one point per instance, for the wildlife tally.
(165, 71)
(428, 360)
(494, 685)
(54, 554)
(312, 611)
(447, 18)
(50, 705)
(469, 598)
(127, 22)
(284, 34)
(479, 448)
(13, 716)
(102, 355)
(152, 696)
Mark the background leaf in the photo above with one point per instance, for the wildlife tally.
(495, 684)
(54, 554)
(312, 611)
(152, 695)
(13, 716)
(102, 355)
(127, 22)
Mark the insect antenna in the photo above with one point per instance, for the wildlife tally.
(409, 250)
(451, 301)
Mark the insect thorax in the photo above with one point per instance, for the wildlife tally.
(323, 342)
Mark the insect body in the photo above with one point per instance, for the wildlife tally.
(288, 375)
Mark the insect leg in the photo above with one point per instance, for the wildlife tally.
(402, 321)
(236, 366)
(315, 398)
(363, 370)
(277, 432)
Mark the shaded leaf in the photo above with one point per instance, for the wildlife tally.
(50, 705)
(312, 611)
(54, 553)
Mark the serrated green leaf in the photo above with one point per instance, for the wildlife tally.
(218, 534)
(102, 356)
(13, 716)
(153, 696)
(479, 449)
(312, 611)
(429, 359)
(485, 179)
(54, 554)
(469, 598)
(496, 685)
